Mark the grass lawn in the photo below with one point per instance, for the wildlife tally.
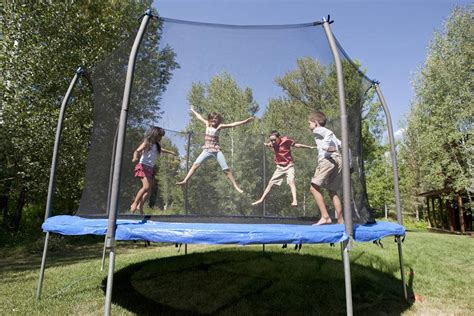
(232, 280)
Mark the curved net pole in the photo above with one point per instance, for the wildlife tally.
(396, 188)
(186, 190)
(393, 152)
(114, 198)
(346, 189)
(111, 173)
(264, 174)
(52, 175)
(107, 208)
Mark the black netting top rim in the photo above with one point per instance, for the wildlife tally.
(235, 26)
(352, 62)
(177, 132)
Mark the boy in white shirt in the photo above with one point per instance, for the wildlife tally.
(328, 173)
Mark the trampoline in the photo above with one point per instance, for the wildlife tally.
(263, 70)
(220, 233)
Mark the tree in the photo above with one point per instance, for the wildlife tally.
(43, 43)
(438, 145)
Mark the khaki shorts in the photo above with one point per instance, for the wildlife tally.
(281, 172)
(328, 173)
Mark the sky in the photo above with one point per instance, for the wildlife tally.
(389, 38)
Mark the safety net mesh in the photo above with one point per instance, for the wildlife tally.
(279, 74)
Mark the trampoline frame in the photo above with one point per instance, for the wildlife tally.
(110, 240)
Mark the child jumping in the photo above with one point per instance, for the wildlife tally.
(328, 173)
(148, 151)
(284, 164)
(211, 146)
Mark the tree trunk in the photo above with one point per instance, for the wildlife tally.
(461, 214)
(428, 213)
(4, 197)
(417, 213)
(435, 220)
(19, 210)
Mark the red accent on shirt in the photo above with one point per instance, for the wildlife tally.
(283, 151)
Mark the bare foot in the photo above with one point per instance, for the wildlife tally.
(340, 220)
(181, 183)
(257, 202)
(239, 190)
(133, 208)
(324, 221)
(294, 204)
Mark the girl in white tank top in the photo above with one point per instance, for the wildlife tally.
(146, 155)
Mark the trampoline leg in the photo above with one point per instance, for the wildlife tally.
(104, 253)
(43, 263)
(263, 247)
(346, 246)
(110, 281)
(185, 249)
(402, 270)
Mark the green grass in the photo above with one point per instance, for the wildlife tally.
(232, 280)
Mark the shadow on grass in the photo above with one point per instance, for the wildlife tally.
(61, 251)
(245, 282)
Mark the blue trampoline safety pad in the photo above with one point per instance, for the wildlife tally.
(212, 233)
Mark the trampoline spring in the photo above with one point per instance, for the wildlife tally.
(402, 239)
(378, 242)
(145, 219)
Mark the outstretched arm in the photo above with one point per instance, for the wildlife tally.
(199, 116)
(138, 152)
(237, 123)
(304, 146)
(166, 151)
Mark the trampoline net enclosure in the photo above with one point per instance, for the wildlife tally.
(277, 73)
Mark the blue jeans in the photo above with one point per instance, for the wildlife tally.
(218, 155)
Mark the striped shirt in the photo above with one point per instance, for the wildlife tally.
(211, 139)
